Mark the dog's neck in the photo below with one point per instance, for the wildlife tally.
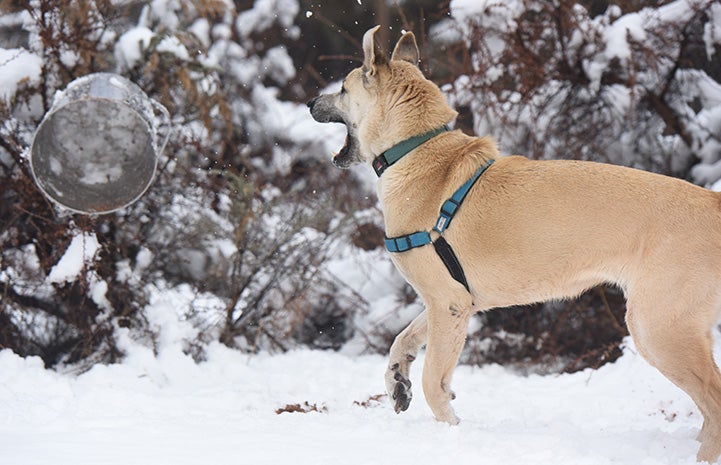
(401, 149)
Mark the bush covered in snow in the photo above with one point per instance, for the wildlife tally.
(552, 80)
(248, 236)
(231, 232)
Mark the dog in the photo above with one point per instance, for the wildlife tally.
(525, 231)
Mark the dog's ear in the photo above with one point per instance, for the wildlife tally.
(373, 56)
(407, 49)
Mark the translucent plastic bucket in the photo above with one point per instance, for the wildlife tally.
(97, 148)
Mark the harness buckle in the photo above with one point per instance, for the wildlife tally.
(448, 209)
(441, 224)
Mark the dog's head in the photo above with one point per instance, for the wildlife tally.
(382, 102)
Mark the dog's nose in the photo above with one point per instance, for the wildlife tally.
(311, 103)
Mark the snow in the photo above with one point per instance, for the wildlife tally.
(173, 46)
(279, 120)
(279, 64)
(712, 31)
(166, 409)
(163, 11)
(82, 250)
(130, 46)
(265, 13)
(158, 406)
(98, 293)
(201, 30)
(17, 66)
(478, 10)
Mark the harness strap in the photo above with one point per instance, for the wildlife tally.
(448, 257)
(443, 249)
(450, 206)
(407, 242)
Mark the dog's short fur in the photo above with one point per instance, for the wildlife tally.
(531, 231)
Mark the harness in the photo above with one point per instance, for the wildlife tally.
(449, 208)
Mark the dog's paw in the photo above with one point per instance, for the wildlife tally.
(398, 385)
(401, 394)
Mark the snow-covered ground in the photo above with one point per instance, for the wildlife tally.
(170, 410)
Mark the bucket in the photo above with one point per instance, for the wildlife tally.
(97, 149)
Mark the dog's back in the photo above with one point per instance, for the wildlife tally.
(552, 229)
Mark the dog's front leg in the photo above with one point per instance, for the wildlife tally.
(447, 326)
(403, 352)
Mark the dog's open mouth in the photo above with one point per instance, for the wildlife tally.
(324, 111)
(348, 154)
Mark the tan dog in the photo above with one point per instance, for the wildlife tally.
(530, 231)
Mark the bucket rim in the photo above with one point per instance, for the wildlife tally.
(48, 195)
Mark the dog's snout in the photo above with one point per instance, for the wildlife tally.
(324, 111)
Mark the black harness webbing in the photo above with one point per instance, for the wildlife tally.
(448, 257)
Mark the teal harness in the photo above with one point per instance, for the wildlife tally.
(448, 209)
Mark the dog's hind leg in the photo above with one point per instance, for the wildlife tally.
(679, 345)
(403, 352)
(447, 326)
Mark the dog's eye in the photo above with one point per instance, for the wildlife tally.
(342, 90)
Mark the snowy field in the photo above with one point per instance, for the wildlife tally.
(170, 410)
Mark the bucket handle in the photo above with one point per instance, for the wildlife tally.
(166, 121)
